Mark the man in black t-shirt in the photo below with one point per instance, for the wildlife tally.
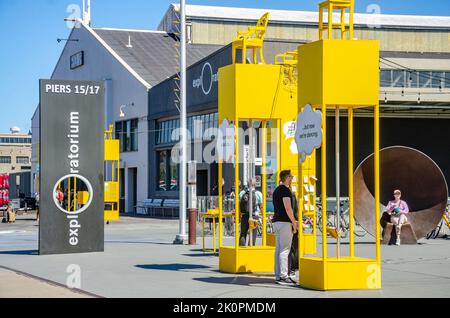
(285, 225)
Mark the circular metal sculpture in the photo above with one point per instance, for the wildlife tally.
(421, 181)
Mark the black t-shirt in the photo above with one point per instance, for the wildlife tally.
(280, 214)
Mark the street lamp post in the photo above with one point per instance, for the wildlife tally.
(181, 237)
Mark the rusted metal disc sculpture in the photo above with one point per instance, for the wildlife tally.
(421, 181)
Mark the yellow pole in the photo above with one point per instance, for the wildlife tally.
(342, 24)
(377, 180)
(68, 195)
(214, 233)
(203, 232)
(350, 182)
(220, 176)
(320, 23)
(236, 185)
(324, 182)
(300, 195)
(75, 194)
(264, 182)
(352, 10)
(278, 146)
(118, 185)
(324, 193)
(330, 20)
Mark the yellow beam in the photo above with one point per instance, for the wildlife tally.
(350, 182)
(324, 189)
(264, 182)
(377, 180)
(220, 177)
(236, 184)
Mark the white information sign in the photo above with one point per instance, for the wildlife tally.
(308, 134)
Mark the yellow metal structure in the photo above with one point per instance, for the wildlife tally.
(253, 39)
(266, 94)
(211, 214)
(83, 197)
(345, 28)
(339, 75)
(112, 159)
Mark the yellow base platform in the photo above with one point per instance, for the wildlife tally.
(254, 259)
(111, 215)
(338, 274)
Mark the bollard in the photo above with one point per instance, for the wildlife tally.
(192, 226)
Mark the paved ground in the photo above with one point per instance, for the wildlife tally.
(140, 261)
(19, 285)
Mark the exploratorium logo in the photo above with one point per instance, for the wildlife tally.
(206, 80)
(73, 193)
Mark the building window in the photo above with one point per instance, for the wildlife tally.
(398, 79)
(22, 160)
(127, 133)
(164, 131)
(5, 159)
(196, 126)
(438, 80)
(167, 172)
(414, 79)
(424, 79)
(14, 140)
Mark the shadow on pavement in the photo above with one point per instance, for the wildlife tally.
(244, 281)
(27, 252)
(137, 242)
(206, 254)
(172, 267)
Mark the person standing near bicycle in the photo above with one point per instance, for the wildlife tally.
(244, 207)
(397, 209)
(285, 225)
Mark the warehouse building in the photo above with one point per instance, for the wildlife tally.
(139, 69)
(15, 152)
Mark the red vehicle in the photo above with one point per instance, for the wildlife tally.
(4, 192)
(6, 197)
(5, 181)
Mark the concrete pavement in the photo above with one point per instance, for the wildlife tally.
(141, 261)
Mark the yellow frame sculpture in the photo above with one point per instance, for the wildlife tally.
(335, 75)
(262, 92)
(342, 6)
(112, 156)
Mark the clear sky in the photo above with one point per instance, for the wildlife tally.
(29, 29)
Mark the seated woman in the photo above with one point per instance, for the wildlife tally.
(397, 209)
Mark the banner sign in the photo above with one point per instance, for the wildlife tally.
(71, 125)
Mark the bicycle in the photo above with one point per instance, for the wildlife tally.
(434, 234)
(332, 221)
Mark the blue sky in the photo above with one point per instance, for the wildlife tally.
(29, 29)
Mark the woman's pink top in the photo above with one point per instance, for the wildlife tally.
(392, 205)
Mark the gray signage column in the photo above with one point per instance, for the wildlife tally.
(71, 167)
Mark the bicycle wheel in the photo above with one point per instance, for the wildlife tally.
(359, 230)
(438, 229)
(435, 232)
(319, 221)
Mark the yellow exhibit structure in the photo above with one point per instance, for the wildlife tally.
(262, 97)
(112, 162)
(338, 76)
